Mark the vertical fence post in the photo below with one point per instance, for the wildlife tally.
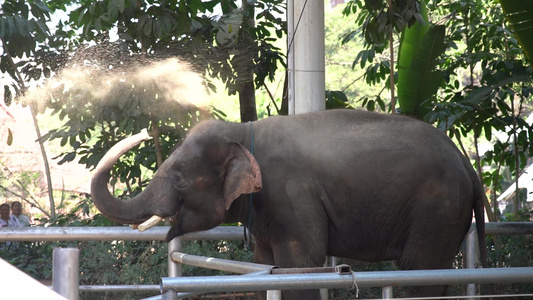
(386, 292)
(65, 272)
(174, 268)
(471, 258)
(274, 295)
(324, 292)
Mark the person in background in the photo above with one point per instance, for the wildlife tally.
(16, 208)
(7, 220)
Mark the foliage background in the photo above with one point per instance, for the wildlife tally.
(485, 90)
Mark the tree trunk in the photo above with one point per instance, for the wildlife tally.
(391, 48)
(245, 73)
(37, 131)
(46, 164)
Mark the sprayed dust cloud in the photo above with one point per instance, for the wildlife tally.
(152, 85)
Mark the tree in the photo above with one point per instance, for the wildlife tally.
(519, 17)
(184, 29)
(28, 54)
(343, 77)
(149, 33)
(481, 77)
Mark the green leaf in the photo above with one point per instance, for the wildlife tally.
(336, 99)
(77, 16)
(9, 26)
(2, 28)
(147, 29)
(112, 10)
(42, 6)
(166, 25)
(21, 25)
(520, 17)
(67, 158)
(8, 96)
(41, 27)
(9, 137)
(478, 95)
(121, 5)
(98, 24)
(92, 8)
(157, 30)
(409, 44)
(417, 59)
(195, 24)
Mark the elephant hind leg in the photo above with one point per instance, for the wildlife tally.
(426, 291)
(431, 254)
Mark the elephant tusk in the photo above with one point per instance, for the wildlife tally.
(149, 223)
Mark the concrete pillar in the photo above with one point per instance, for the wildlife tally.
(306, 56)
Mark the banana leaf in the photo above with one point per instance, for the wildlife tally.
(411, 38)
(418, 81)
(519, 13)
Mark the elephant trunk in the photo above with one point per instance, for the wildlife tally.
(128, 211)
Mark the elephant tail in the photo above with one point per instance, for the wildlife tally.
(479, 212)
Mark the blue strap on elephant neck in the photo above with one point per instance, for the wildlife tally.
(248, 237)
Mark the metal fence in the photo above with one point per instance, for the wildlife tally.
(325, 278)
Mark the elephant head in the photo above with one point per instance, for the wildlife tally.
(196, 185)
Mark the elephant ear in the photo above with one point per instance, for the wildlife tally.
(241, 173)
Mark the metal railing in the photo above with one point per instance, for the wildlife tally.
(236, 233)
(344, 280)
(114, 233)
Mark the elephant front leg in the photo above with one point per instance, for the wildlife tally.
(293, 252)
(295, 233)
(263, 255)
(301, 247)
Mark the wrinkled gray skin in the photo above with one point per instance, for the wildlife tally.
(345, 183)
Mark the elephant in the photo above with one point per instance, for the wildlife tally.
(346, 183)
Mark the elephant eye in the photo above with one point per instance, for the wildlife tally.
(179, 180)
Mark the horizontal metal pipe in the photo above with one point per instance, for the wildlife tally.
(158, 233)
(232, 266)
(348, 281)
(178, 296)
(508, 228)
(132, 288)
(121, 288)
(123, 233)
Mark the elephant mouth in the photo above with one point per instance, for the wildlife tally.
(154, 220)
(173, 232)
